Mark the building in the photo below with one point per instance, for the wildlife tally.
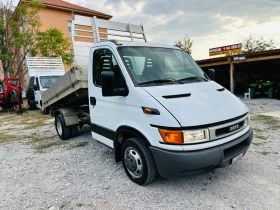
(236, 72)
(58, 13)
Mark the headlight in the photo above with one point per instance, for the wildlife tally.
(247, 120)
(196, 135)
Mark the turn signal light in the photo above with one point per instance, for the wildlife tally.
(171, 137)
(147, 111)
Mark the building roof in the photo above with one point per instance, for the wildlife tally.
(240, 58)
(60, 4)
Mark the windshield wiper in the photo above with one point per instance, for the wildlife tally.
(193, 78)
(160, 81)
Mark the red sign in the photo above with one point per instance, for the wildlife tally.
(234, 48)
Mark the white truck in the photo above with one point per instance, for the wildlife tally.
(42, 73)
(151, 103)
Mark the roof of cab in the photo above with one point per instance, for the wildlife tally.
(115, 43)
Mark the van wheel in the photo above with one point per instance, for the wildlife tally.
(138, 161)
(63, 131)
(31, 104)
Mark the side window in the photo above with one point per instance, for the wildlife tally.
(104, 60)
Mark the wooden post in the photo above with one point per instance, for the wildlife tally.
(231, 76)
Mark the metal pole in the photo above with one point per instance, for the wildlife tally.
(95, 29)
(231, 76)
(131, 35)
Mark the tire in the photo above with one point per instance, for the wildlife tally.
(63, 131)
(138, 161)
(252, 92)
(74, 130)
(44, 111)
(271, 92)
(31, 104)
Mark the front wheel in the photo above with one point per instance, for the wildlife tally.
(63, 131)
(31, 104)
(138, 161)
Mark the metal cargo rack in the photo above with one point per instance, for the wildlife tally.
(72, 88)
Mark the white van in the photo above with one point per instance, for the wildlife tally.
(154, 106)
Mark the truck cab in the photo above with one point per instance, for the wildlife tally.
(42, 83)
(42, 73)
(156, 107)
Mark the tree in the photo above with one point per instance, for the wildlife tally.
(257, 45)
(18, 30)
(186, 44)
(51, 43)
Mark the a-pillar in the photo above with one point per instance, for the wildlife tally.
(231, 76)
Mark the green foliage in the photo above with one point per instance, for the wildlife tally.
(186, 44)
(51, 43)
(18, 30)
(257, 45)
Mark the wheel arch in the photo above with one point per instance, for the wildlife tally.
(123, 133)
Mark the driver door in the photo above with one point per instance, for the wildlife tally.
(106, 113)
(37, 93)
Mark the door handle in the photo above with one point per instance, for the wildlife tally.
(93, 101)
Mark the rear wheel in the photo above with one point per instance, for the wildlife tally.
(63, 131)
(138, 161)
(44, 110)
(271, 92)
(278, 93)
(252, 92)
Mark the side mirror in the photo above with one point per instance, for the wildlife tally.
(211, 74)
(36, 87)
(107, 81)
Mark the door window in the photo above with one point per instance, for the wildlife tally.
(104, 60)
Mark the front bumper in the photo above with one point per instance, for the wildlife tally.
(172, 164)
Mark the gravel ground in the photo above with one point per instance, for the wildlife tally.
(38, 171)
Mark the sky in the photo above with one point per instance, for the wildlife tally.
(210, 23)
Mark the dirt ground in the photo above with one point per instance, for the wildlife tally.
(40, 171)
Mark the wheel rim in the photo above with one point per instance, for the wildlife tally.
(59, 127)
(133, 162)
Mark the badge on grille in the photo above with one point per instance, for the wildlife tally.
(234, 127)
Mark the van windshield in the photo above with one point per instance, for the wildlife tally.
(47, 81)
(154, 65)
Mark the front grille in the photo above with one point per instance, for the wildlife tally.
(229, 129)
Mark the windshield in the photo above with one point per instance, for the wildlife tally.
(151, 65)
(47, 81)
